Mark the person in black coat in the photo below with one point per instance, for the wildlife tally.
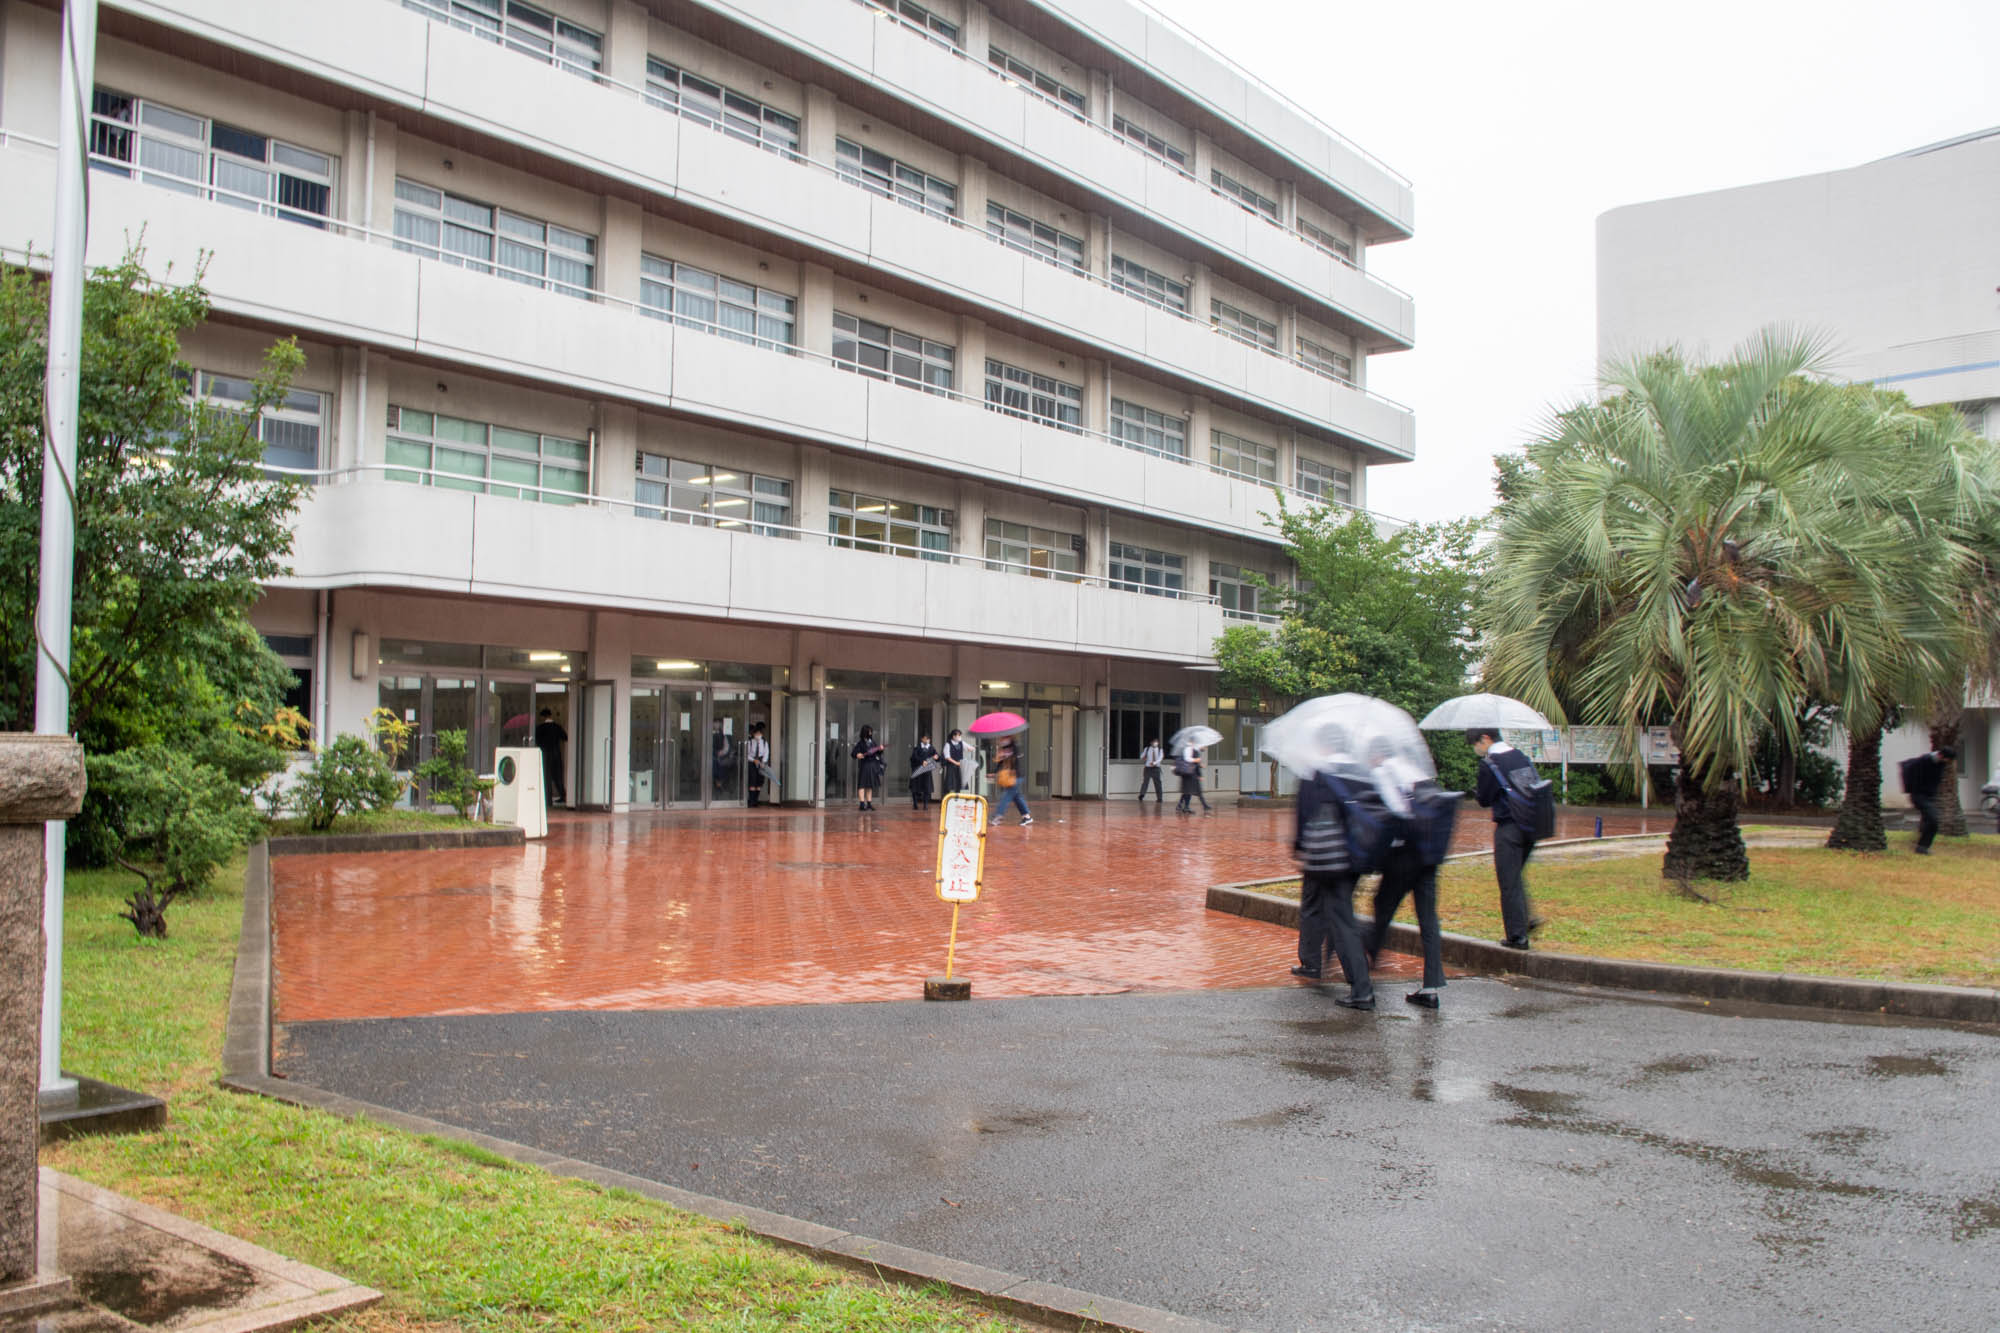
(923, 752)
(951, 761)
(549, 739)
(1326, 894)
(868, 766)
(1512, 844)
(1922, 777)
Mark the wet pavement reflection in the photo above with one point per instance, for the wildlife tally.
(778, 907)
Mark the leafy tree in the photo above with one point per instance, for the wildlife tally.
(177, 821)
(448, 774)
(347, 776)
(1702, 543)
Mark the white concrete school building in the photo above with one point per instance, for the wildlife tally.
(683, 364)
(1893, 261)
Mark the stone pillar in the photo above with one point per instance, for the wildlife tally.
(818, 128)
(815, 328)
(1097, 252)
(974, 33)
(1100, 96)
(1200, 291)
(972, 190)
(627, 35)
(41, 779)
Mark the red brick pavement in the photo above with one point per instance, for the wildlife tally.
(781, 907)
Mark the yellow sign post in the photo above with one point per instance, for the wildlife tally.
(961, 870)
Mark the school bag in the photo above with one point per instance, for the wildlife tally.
(1530, 798)
(1371, 826)
(1433, 816)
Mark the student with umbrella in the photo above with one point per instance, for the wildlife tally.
(1503, 770)
(1326, 887)
(1187, 745)
(923, 763)
(1006, 762)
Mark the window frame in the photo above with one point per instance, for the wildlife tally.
(1323, 360)
(568, 46)
(496, 444)
(913, 15)
(1222, 444)
(1127, 416)
(1146, 570)
(773, 315)
(1244, 196)
(1141, 715)
(213, 389)
(1139, 282)
(1018, 231)
(1047, 85)
(1323, 481)
(1016, 391)
(1234, 322)
(892, 178)
(662, 481)
(929, 532)
(1230, 585)
(118, 144)
(1042, 553)
(1151, 144)
(1320, 238)
(931, 357)
(499, 229)
(736, 114)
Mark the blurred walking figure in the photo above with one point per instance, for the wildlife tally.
(1503, 772)
(868, 766)
(923, 764)
(1425, 816)
(1187, 763)
(952, 764)
(1326, 890)
(1007, 777)
(549, 739)
(1922, 776)
(757, 755)
(1150, 759)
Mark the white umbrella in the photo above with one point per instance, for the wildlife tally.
(1484, 710)
(1199, 737)
(1352, 735)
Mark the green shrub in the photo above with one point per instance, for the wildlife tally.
(346, 777)
(1585, 787)
(449, 777)
(1457, 765)
(171, 821)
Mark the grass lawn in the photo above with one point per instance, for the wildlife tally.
(457, 1238)
(1804, 909)
(375, 821)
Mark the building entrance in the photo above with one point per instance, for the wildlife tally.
(689, 743)
(898, 720)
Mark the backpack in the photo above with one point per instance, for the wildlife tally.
(1530, 798)
(1918, 780)
(1371, 826)
(1433, 817)
(1182, 768)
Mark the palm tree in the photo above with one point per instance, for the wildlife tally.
(1701, 544)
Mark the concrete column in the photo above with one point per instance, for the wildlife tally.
(975, 34)
(41, 779)
(818, 128)
(619, 236)
(969, 522)
(382, 205)
(1288, 330)
(971, 377)
(354, 167)
(1097, 253)
(972, 188)
(1203, 159)
(611, 659)
(617, 451)
(627, 34)
(1097, 394)
(809, 500)
(816, 309)
(1200, 420)
(1099, 105)
(1200, 290)
(1288, 204)
(1097, 541)
(362, 398)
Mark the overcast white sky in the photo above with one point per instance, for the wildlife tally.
(1518, 124)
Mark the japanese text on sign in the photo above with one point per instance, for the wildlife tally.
(961, 863)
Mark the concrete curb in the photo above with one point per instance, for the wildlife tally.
(420, 840)
(1957, 1004)
(246, 1068)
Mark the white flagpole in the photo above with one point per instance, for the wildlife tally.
(59, 418)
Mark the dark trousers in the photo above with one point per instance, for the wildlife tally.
(1327, 925)
(920, 792)
(1191, 791)
(1510, 856)
(552, 778)
(1151, 777)
(756, 790)
(1927, 820)
(1406, 875)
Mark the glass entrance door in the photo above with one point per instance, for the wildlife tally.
(687, 755)
(646, 786)
(595, 745)
(1037, 757)
(905, 717)
(846, 715)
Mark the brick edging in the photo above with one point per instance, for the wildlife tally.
(1959, 1004)
(246, 1068)
(417, 840)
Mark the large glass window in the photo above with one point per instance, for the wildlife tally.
(1242, 458)
(871, 523)
(1046, 84)
(1231, 587)
(524, 28)
(1141, 428)
(1143, 569)
(1324, 360)
(1150, 287)
(1228, 186)
(1139, 716)
(873, 349)
(466, 455)
(1150, 142)
(1336, 246)
(290, 429)
(1031, 237)
(709, 495)
(725, 109)
(1325, 481)
(715, 304)
(1018, 548)
(440, 225)
(920, 18)
(1243, 326)
(878, 173)
(190, 154)
(1023, 393)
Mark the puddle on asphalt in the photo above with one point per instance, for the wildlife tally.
(1327, 1071)
(1846, 1139)
(1277, 1119)
(1540, 1103)
(1679, 1064)
(1906, 1066)
(1976, 1217)
(1027, 1122)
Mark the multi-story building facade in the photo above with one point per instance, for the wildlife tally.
(678, 365)
(1891, 262)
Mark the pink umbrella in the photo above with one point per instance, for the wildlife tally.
(994, 725)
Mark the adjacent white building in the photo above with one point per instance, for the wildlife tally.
(683, 364)
(1893, 261)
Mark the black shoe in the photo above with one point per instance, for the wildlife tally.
(1349, 1002)
(1305, 972)
(1521, 943)
(1921, 851)
(1535, 923)
(1425, 998)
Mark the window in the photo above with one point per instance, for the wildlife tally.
(870, 523)
(1231, 587)
(721, 108)
(1138, 716)
(1047, 85)
(1323, 359)
(1151, 143)
(458, 231)
(888, 354)
(923, 20)
(1225, 184)
(290, 428)
(715, 304)
(1243, 326)
(1022, 393)
(1327, 241)
(1148, 431)
(1150, 287)
(524, 28)
(1016, 548)
(1242, 458)
(878, 173)
(1142, 569)
(465, 455)
(1031, 237)
(209, 159)
(1325, 481)
(707, 495)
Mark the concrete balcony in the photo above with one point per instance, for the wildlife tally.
(384, 534)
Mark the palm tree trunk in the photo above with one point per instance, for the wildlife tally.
(1859, 827)
(1706, 842)
(1951, 815)
(1786, 789)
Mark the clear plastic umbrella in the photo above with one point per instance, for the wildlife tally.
(1199, 737)
(1353, 736)
(1483, 710)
